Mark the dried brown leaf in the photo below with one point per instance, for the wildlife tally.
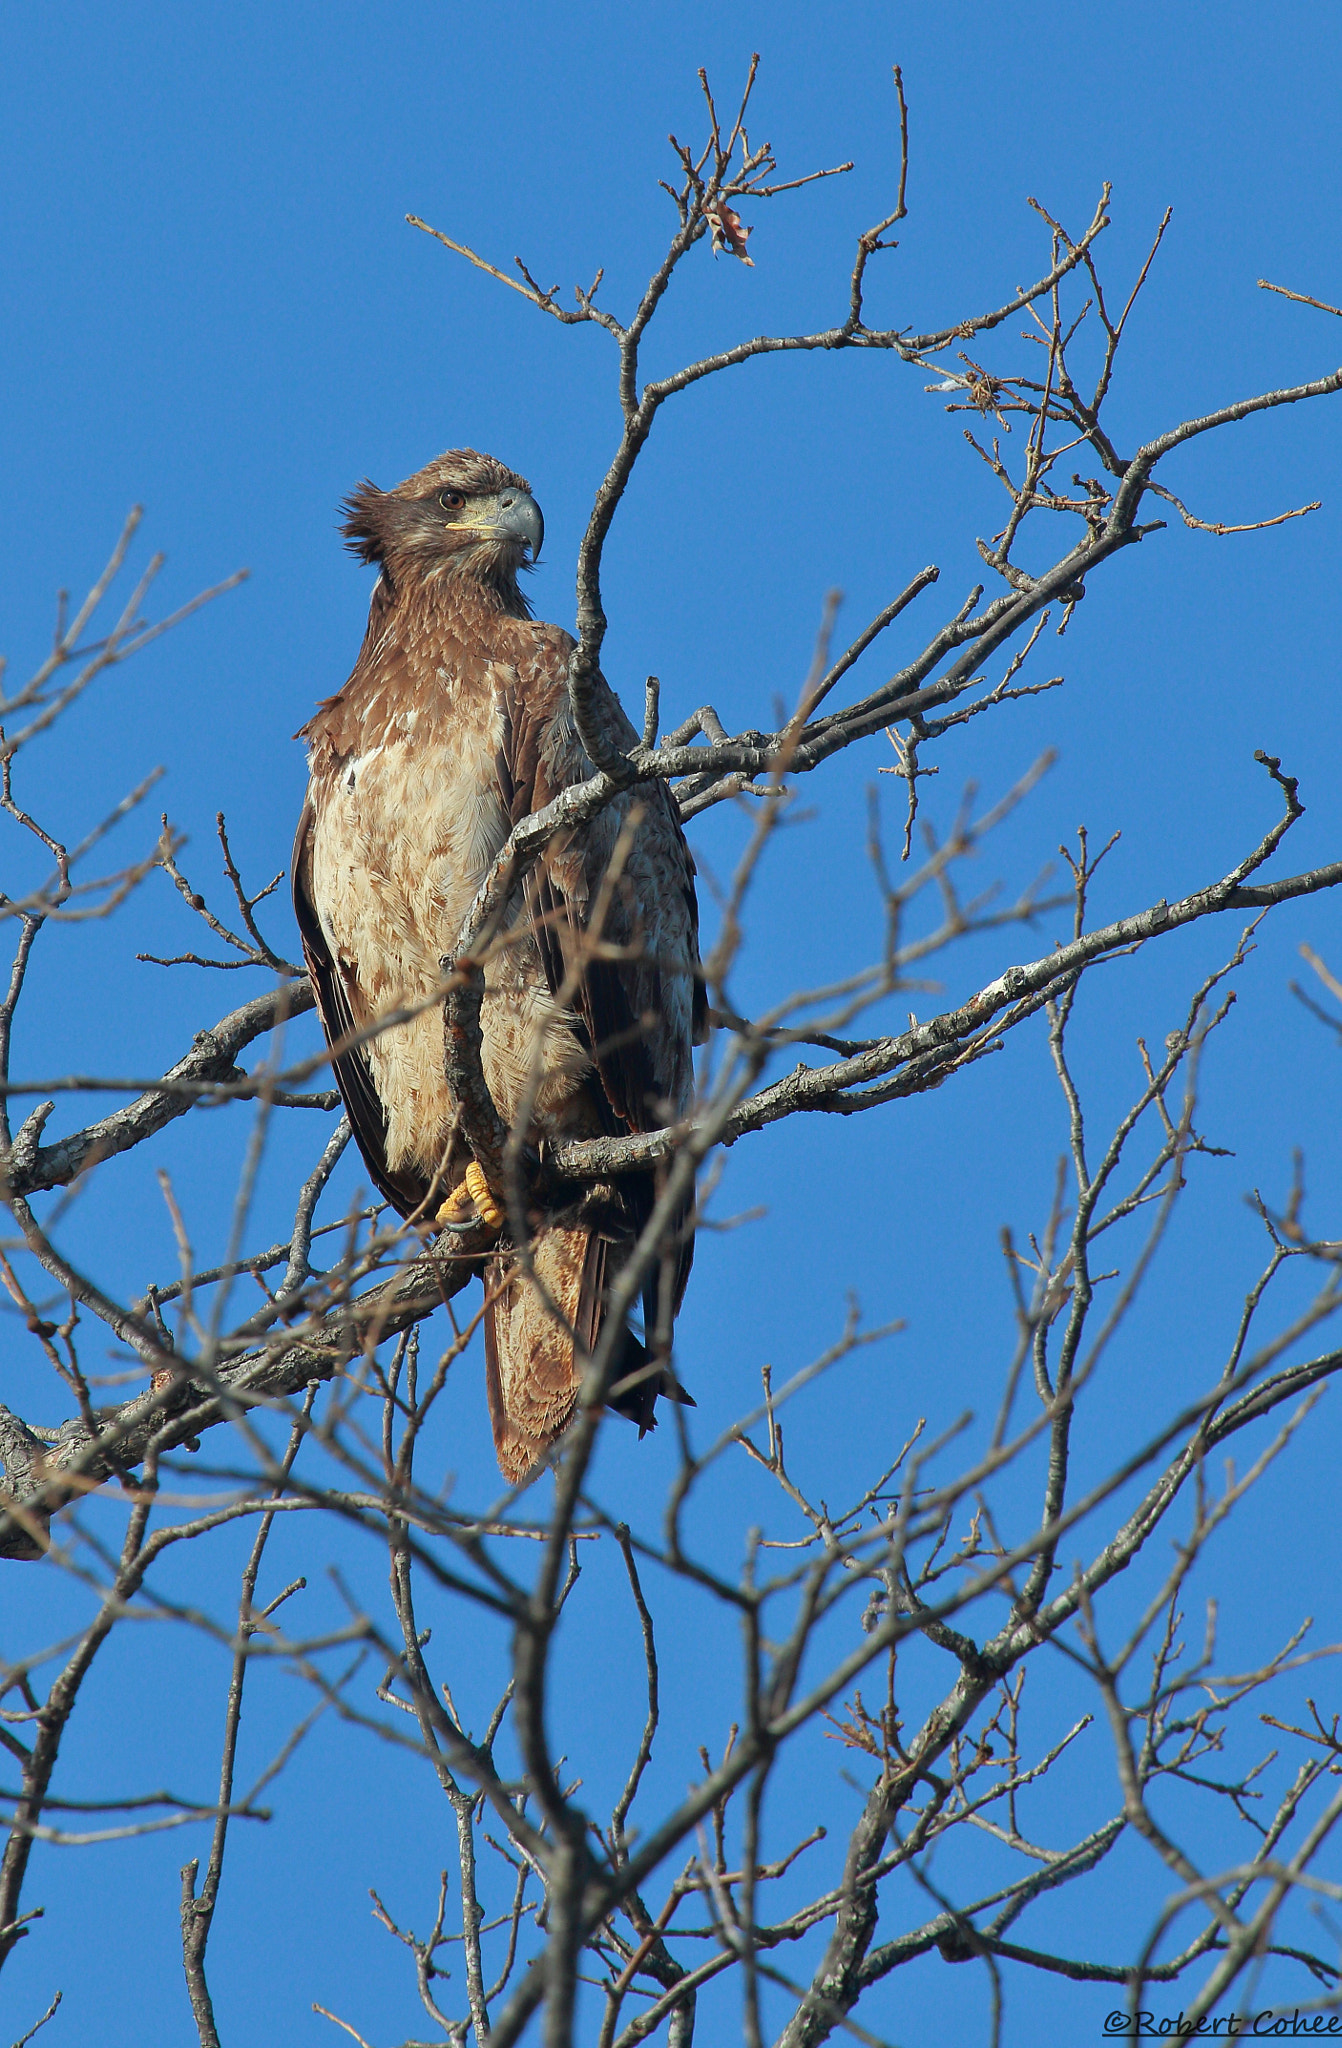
(727, 230)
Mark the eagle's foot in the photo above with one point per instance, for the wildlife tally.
(472, 1198)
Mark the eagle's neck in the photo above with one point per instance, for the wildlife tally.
(473, 584)
(448, 620)
(427, 635)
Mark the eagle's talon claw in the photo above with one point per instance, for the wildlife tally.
(472, 1198)
(457, 1209)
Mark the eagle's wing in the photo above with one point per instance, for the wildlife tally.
(336, 1007)
(641, 1010)
(637, 1011)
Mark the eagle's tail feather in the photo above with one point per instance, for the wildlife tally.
(532, 1376)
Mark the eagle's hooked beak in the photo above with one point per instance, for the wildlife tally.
(519, 514)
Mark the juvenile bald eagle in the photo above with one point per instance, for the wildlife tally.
(455, 724)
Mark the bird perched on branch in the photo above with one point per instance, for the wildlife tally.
(455, 724)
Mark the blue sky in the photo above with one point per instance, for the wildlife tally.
(212, 306)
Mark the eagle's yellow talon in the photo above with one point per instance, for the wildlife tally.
(482, 1195)
(471, 1198)
(456, 1210)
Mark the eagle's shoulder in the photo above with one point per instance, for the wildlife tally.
(552, 645)
(540, 707)
(538, 655)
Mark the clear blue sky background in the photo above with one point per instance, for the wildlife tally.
(211, 305)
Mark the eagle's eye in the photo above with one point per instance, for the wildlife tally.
(452, 501)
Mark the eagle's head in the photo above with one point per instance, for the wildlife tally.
(462, 515)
